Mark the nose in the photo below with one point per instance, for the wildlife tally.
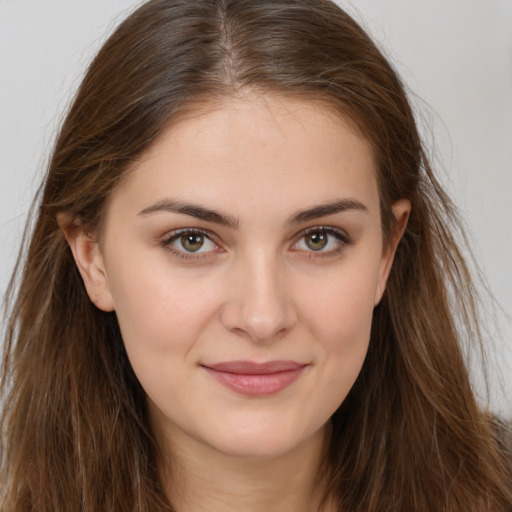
(259, 306)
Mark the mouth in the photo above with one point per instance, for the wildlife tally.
(256, 379)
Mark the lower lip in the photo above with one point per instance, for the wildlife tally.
(256, 385)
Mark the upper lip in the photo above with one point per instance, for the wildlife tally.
(254, 368)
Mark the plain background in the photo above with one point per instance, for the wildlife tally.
(456, 55)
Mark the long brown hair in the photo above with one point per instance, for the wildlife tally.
(409, 436)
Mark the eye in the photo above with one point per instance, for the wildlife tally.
(317, 240)
(188, 242)
(325, 241)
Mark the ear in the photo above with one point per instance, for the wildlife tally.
(89, 260)
(401, 210)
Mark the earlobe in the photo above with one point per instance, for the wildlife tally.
(89, 261)
(401, 211)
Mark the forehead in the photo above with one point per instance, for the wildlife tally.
(255, 151)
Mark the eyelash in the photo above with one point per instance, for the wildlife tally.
(340, 236)
(175, 235)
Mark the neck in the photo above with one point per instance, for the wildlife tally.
(197, 478)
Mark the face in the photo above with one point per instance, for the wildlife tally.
(243, 257)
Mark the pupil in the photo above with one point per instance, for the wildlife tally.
(192, 242)
(316, 241)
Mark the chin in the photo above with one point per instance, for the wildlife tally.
(263, 443)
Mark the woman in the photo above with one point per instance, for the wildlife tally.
(237, 294)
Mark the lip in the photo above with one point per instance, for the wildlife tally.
(256, 379)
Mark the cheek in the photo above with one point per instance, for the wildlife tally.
(340, 320)
(159, 311)
(342, 306)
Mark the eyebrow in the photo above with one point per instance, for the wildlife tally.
(209, 215)
(199, 212)
(325, 209)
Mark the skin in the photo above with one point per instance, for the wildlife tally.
(256, 289)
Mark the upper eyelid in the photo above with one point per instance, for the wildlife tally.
(309, 229)
(175, 233)
(327, 229)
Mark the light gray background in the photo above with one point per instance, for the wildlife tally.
(454, 54)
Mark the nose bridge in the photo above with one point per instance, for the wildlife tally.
(259, 305)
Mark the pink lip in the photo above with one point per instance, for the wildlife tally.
(256, 379)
